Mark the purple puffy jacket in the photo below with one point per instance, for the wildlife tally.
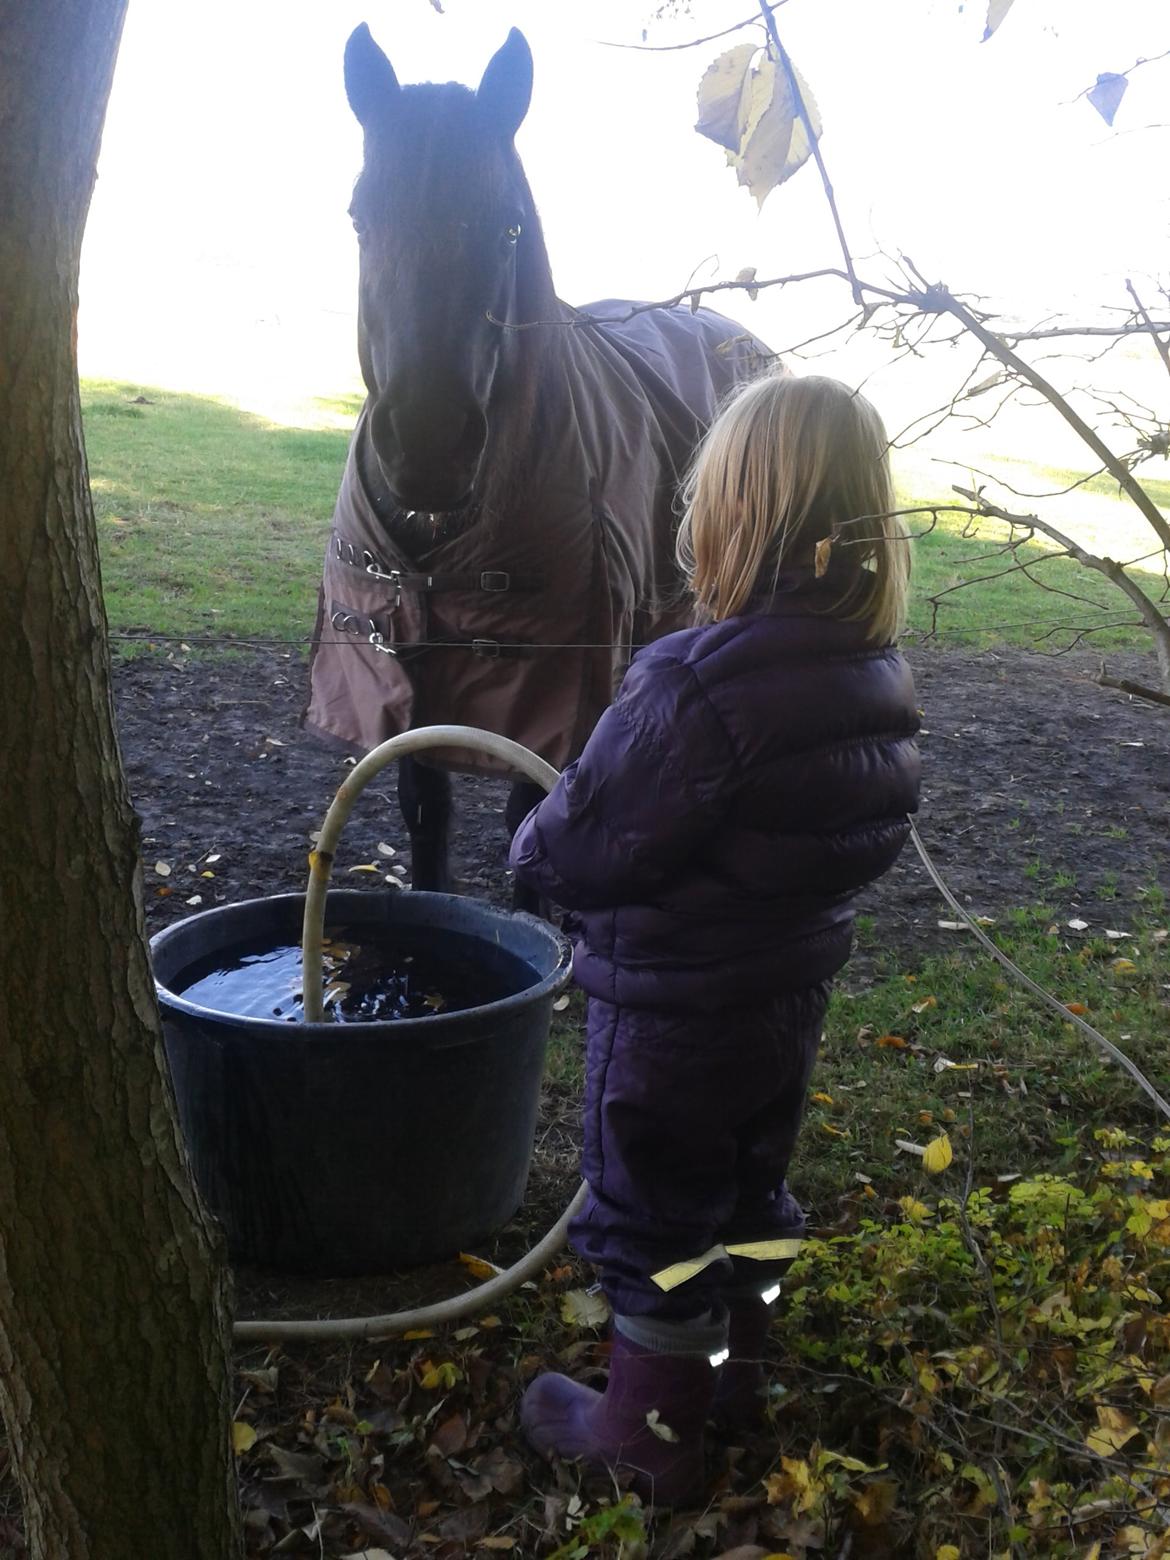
(750, 777)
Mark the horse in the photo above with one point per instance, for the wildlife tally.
(503, 536)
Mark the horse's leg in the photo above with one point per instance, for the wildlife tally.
(522, 798)
(424, 794)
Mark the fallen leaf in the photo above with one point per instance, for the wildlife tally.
(479, 1267)
(243, 1437)
(1123, 966)
(497, 1541)
(443, 1375)
(937, 1155)
(1116, 936)
(1078, 1008)
(947, 1552)
(195, 899)
(663, 1432)
(1077, 925)
(891, 1042)
(876, 1502)
(386, 850)
(822, 555)
(921, 1007)
(163, 868)
(561, 1004)
(579, 1308)
(1113, 1430)
(366, 867)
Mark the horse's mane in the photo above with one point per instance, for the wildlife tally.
(440, 138)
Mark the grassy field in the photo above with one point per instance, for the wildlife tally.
(214, 521)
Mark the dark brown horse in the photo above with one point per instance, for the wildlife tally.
(504, 531)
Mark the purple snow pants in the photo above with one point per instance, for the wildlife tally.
(690, 1122)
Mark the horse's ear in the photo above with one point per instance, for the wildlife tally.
(370, 83)
(506, 88)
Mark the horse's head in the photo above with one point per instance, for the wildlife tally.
(447, 229)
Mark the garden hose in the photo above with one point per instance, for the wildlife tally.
(320, 871)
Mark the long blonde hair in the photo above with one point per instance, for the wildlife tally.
(787, 464)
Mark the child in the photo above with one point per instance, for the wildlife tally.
(751, 776)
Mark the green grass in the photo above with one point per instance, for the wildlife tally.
(213, 521)
(1027, 1089)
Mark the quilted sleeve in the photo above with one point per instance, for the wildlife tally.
(654, 781)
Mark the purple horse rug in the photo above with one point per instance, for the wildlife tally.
(524, 625)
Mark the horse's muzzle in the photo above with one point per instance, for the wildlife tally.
(430, 459)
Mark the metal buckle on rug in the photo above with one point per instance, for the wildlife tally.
(488, 648)
(361, 628)
(495, 580)
(345, 551)
(392, 576)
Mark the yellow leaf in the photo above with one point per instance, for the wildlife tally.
(830, 1130)
(1123, 966)
(243, 1437)
(1113, 1430)
(891, 1042)
(921, 1007)
(479, 1267)
(937, 1155)
(434, 1376)
(581, 1309)
(823, 1099)
(417, 1332)
(496, 1541)
(946, 1552)
(876, 1502)
(914, 1210)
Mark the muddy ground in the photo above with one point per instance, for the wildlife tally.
(1040, 785)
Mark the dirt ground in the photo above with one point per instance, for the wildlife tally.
(1039, 785)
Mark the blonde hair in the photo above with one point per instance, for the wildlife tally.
(787, 464)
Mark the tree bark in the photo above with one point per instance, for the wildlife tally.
(114, 1380)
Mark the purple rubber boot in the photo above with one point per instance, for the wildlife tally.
(612, 1429)
(741, 1389)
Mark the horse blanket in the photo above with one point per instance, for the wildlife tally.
(525, 625)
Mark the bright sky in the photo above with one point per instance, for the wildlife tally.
(219, 256)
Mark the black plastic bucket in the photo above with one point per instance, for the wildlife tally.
(360, 1147)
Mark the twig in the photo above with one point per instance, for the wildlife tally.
(670, 48)
(1137, 690)
(1163, 349)
(814, 144)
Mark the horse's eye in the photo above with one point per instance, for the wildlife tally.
(512, 232)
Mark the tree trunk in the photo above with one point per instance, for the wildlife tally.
(114, 1378)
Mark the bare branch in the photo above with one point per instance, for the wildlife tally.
(671, 48)
(814, 144)
(1163, 349)
(1136, 690)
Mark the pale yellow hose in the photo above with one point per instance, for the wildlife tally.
(321, 868)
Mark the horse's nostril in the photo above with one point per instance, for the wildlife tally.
(428, 435)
